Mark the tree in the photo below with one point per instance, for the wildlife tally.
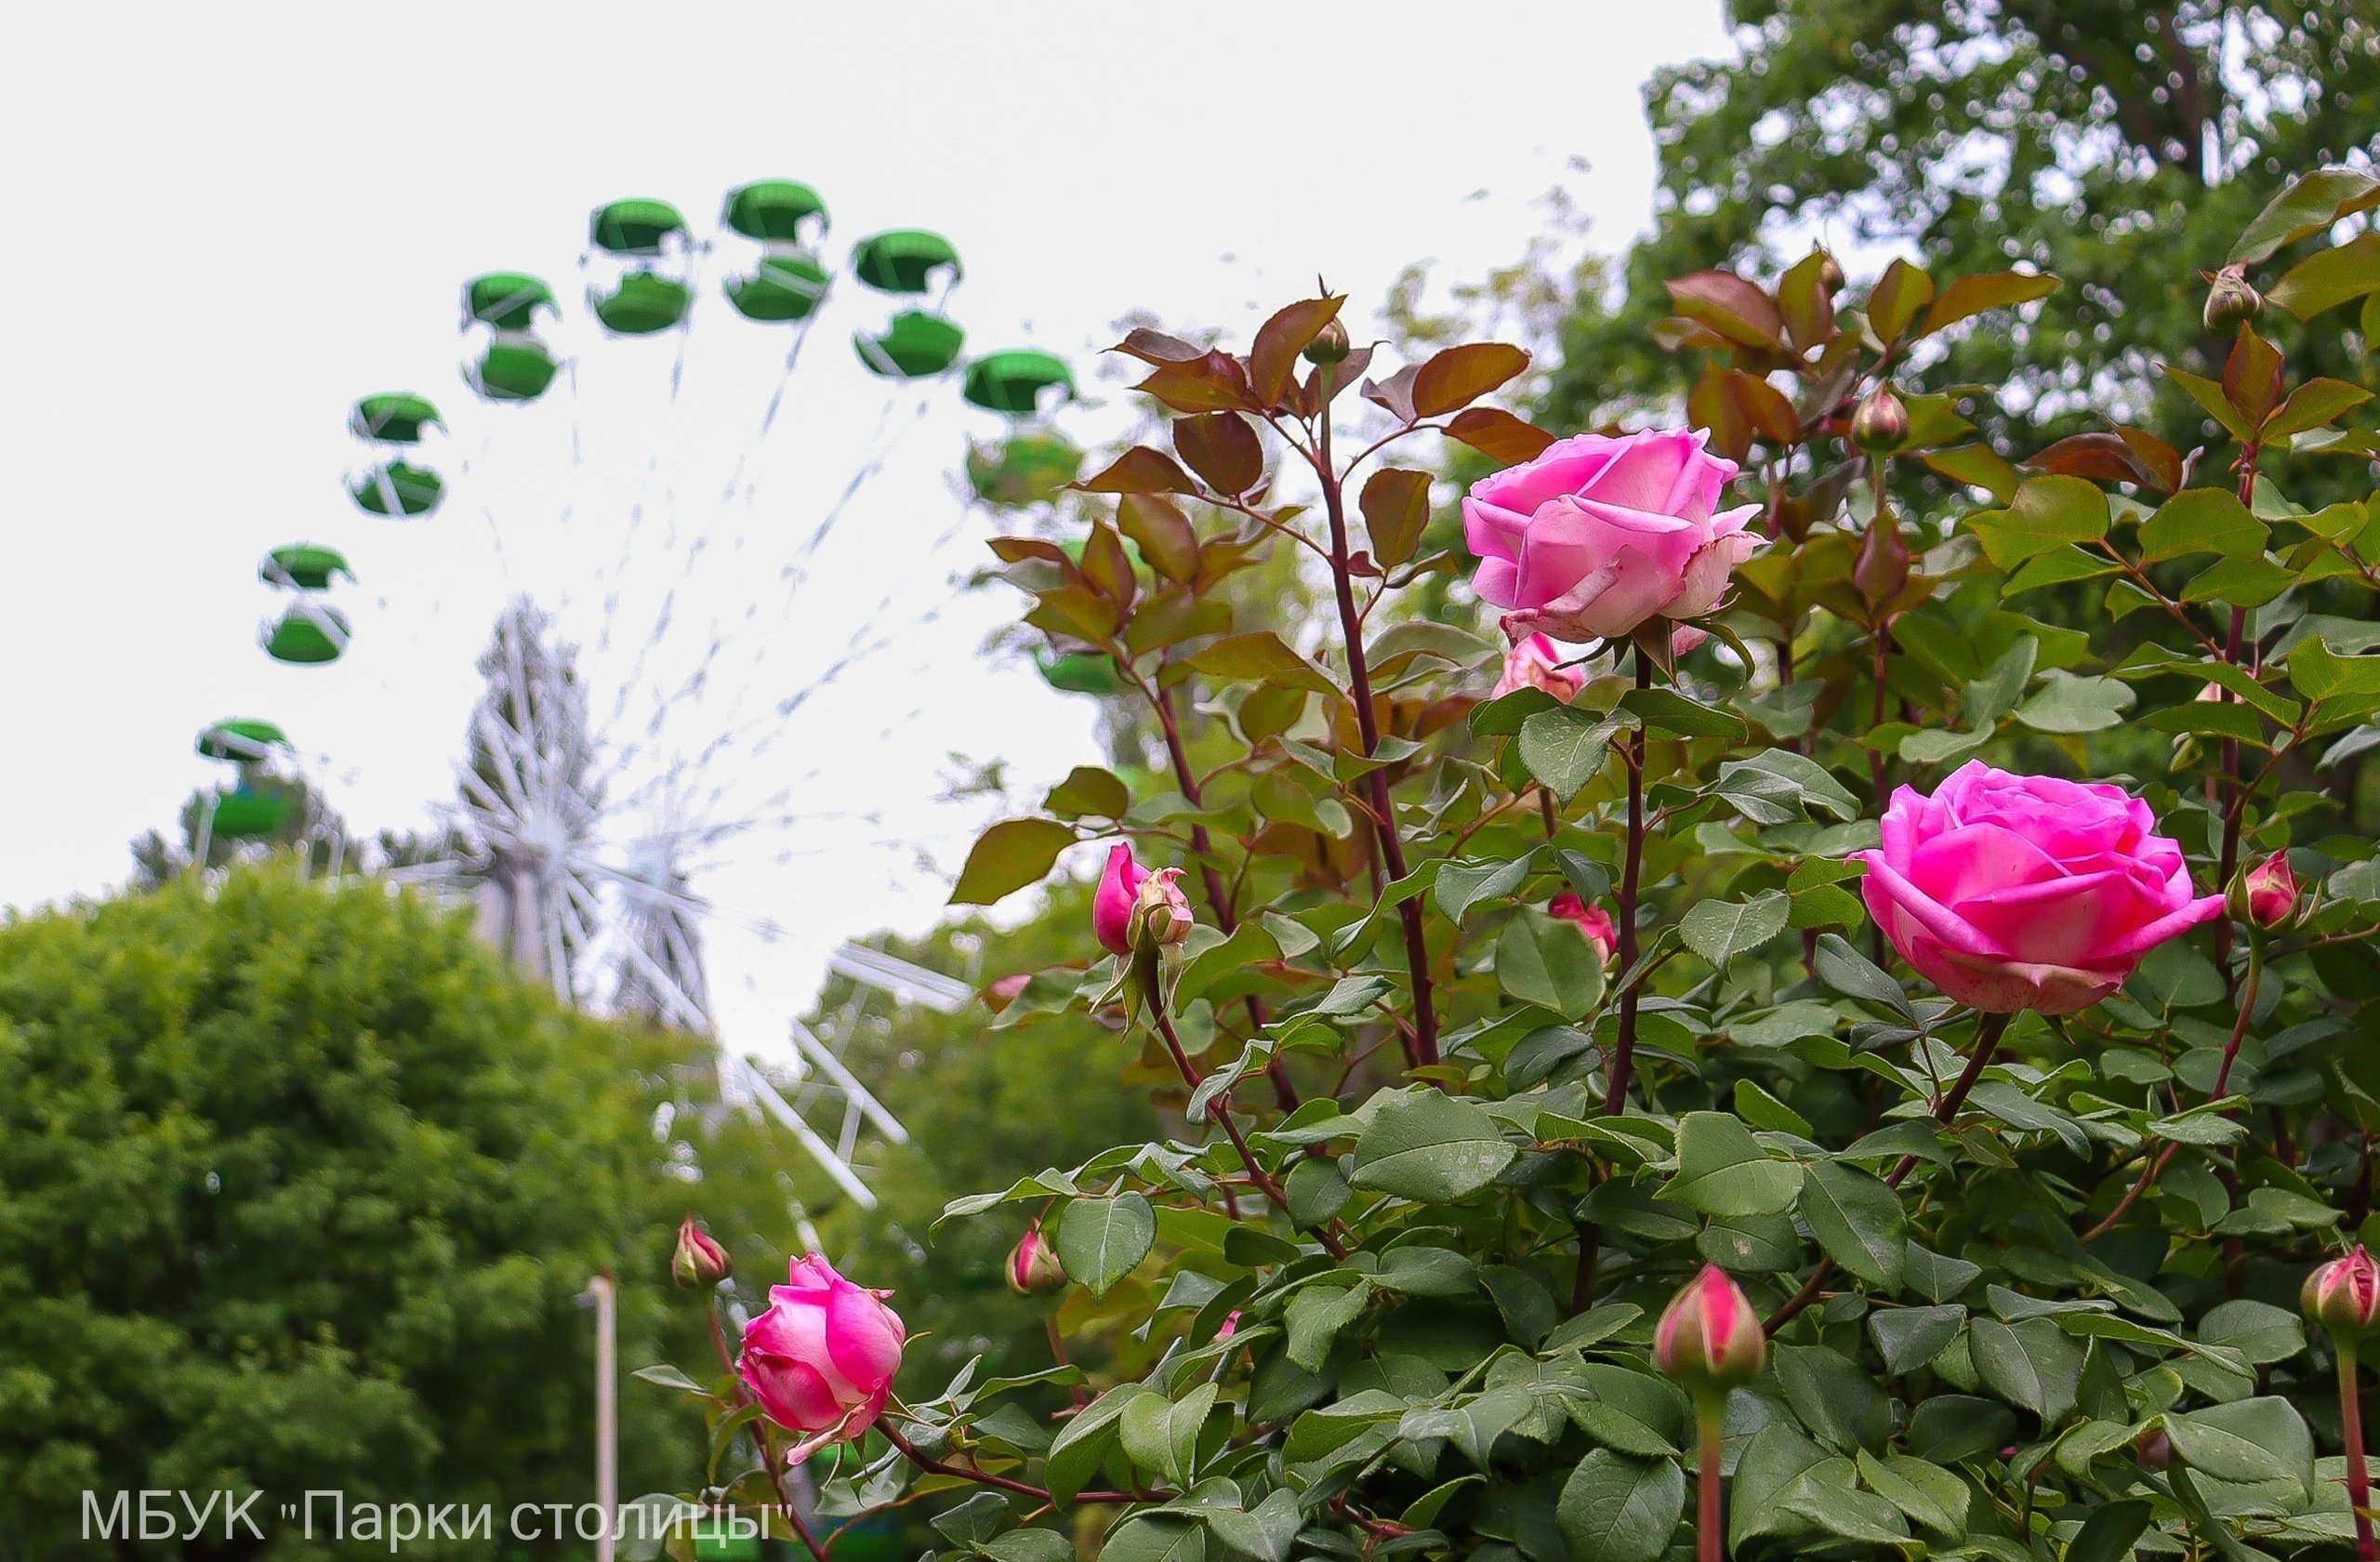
(297, 1190)
(2119, 146)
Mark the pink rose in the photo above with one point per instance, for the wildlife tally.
(1593, 921)
(1532, 663)
(1111, 907)
(820, 1361)
(1599, 535)
(2025, 891)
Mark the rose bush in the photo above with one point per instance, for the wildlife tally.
(1815, 1058)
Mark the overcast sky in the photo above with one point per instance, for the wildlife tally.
(226, 223)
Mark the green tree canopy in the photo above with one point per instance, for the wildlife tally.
(2120, 146)
(297, 1190)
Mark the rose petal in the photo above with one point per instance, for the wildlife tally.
(1884, 889)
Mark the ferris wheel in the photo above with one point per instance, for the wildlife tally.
(657, 630)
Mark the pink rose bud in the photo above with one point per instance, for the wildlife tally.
(2230, 302)
(2344, 1297)
(699, 1263)
(2271, 891)
(821, 1360)
(1330, 344)
(1033, 1268)
(1600, 534)
(1593, 921)
(2026, 891)
(1111, 907)
(1229, 1327)
(1533, 662)
(1880, 423)
(1161, 918)
(1709, 1340)
(1007, 990)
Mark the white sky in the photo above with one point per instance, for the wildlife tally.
(229, 223)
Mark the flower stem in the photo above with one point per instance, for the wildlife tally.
(1987, 1041)
(771, 1459)
(2358, 1478)
(1710, 1529)
(1422, 1048)
(933, 1467)
(1632, 873)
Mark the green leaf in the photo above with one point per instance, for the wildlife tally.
(1909, 1337)
(1666, 710)
(1853, 975)
(1834, 1397)
(1009, 855)
(2239, 582)
(1462, 884)
(1101, 1241)
(2066, 702)
(1857, 1220)
(1429, 1146)
(2047, 512)
(1617, 1509)
(1722, 1170)
(1973, 294)
(1473, 1425)
(2312, 202)
(1317, 1189)
(1162, 1435)
(1260, 657)
(1083, 1440)
(2329, 277)
(1926, 1493)
(1550, 962)
(2033, 1365)
(2246, 1440)
(2201, 521)
(2261, 1332)
(1776, 786)
(1563, 748)
(1720, 930)
(2059, 567)
(1316, 1314)
(1030, 1545)
(2111, 1533)
(973, 1522)
(666, 1376)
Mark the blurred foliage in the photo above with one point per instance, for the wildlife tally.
(298, 1188)
(2119, 146)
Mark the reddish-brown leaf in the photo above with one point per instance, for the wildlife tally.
(1499, 435)
(1273, 359)
(2252, 376)
(1459, 376)
(1107, 566)
(1213, 382)
(1141, 471)
(2101, 458)
(1902, 291)
(1972, 296)
(1806, 301)
(1396, 503)
(1013, 550)
(2162, 461)
(1677, 334)
(1737, 310)
(1156, 347)
(1165, 537)
(1396, 392)
(1221, 447)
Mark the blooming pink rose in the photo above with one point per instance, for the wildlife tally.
(1111, 907)
(820, 1361)
(2025, 891)
(1598, 534)
(1532, 663)
(1593, 920)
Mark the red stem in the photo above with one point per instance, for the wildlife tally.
(1219, 899)
(2358, 1478)
(1710, 1529)
(1631, 872)
(933, 1467)
(1422, 1049)
(771, 1459)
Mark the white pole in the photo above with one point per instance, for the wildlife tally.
(607, 1432)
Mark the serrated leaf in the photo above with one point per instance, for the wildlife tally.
(1007, 856)
(1722, 1169)
(1617, 1509)
(1101, 1241)
(1431, 1147)
(1720, 930)
(1563, 748)
(1857, 1220)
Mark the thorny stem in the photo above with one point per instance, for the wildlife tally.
(933, 1467)
(2234, 803)
(1221, 1111)
(2246, 1004)
(1219, 898)
(2359, 1478)
(1631, 872)
(1422, 1050)
(1987, 1041)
